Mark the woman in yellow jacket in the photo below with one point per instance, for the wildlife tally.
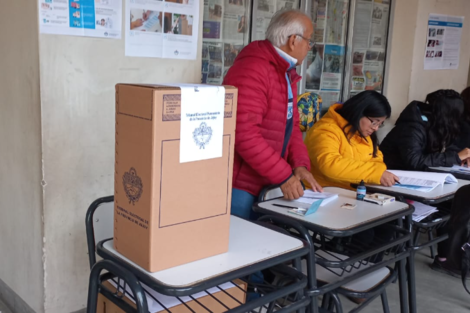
(343, 145)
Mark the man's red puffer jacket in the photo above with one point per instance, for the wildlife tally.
(259, 74)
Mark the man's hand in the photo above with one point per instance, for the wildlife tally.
(292, 188)
(303, 174)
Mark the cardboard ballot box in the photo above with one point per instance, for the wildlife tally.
(216, 302)
(169, 213)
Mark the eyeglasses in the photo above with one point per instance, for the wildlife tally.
(311, 43)
(375, 124)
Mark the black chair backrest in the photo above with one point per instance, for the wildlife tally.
(99, 224)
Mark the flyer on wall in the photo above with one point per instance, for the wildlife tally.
(91, 18)
(162, 29)
(443, 42)
(333, 63)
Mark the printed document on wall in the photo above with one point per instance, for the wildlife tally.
(92, 18)
(333, 62)
(162, 29)
(202, 122)
(443, 42)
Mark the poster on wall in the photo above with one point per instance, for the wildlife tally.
(443, 42)
(91, 18)
(161, 29)
(333, 63)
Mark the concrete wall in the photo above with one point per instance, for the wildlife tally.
(21, 223)
(399, 58)
(78, 75)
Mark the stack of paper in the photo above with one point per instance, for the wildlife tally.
(311, 196)
(421, 210)
(422, 181)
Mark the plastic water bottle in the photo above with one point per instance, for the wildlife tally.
(361, 191)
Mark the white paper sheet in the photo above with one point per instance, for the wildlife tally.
(162, 29)
(422, 181)
(311, 196)
(459, 168)
(337, 14)
(421, 210)
(92, 18)
(443, 42)
(202, 122)
(363, 24)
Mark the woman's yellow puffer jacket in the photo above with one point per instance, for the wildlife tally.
(337, 162)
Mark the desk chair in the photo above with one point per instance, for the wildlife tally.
(99, 227)
(368, 287)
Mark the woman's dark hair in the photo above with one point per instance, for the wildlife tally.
(446, 109)
(466, 101)
(365, 104)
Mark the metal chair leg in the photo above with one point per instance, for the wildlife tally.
(335, 302)
(416, 237)
(325, 301)
(431, 237)
(119, 271)
(385, 306)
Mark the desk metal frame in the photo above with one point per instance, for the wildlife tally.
(132, 277)
(404, 273)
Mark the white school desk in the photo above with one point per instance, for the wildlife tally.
(459, 174)
(439, 194)
(249, 244)
(331, 219)
(335, 221)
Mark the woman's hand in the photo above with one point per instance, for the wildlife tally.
(388, 179)
(464, 155)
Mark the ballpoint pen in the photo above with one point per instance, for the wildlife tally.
(286, 206)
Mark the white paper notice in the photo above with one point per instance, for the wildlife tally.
(443, 42)
(162, 29)
(93, 18)
(202, 122)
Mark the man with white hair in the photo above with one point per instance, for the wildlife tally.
(269, 149)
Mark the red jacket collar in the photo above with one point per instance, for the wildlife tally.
(283, 65)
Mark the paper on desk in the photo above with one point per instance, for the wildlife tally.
(311, 196)
(167, 301)
(422, 181)
(421, 210)
(461, 168)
